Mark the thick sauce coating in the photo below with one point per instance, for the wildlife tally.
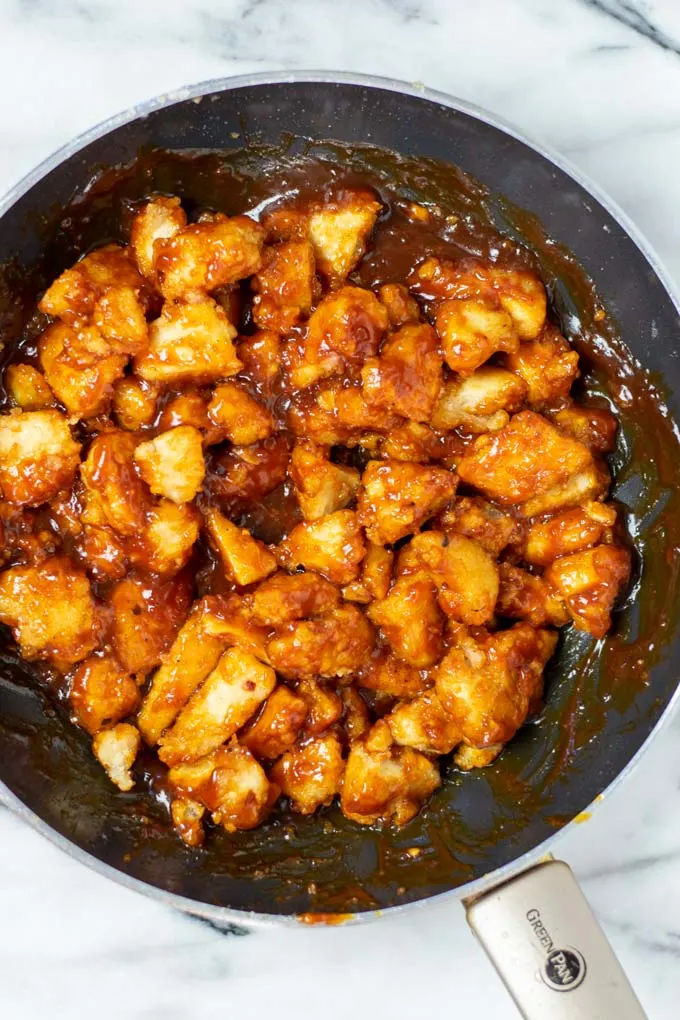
(300, 535)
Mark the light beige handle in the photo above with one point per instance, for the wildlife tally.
(546, 944)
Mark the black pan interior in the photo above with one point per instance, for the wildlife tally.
(603, 698)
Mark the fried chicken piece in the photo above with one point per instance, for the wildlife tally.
(277, 726)
(172, 463)
(102, 693)
(192, 656)
(284, 286)
(475, 518)
(590, 581)
(147, 614)
(397, 497)
(386, 786)
(230, 783)
(481, 402)
(522, 596)
(239, 417)
(115, 494)
(244, 558)
(568, 532)
(324, 706)
(334, 644)
(489, 684)
(230, 619)
(467, 758)
(188, 343)
(80, 368)
(595, 427)
(339, 232)
(390, 675)
(116, 750)
(406, 378)
(343, 330)
(157, 220)
(204, 256)
(410, 619)
(260, 355)
(134, 403)
(224, 702)
(423, 725)
(471, 331)
(167, 538)
(332, 546)
(526, 459)
(401, 307)
(356, 721)
(310, 773)
(285, 597)
(321, 486)
(50, 611)
(27, 387)
(465, 575)
(376, 574)
(38, 456)
(548, 366)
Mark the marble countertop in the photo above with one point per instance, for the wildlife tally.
(599, 80)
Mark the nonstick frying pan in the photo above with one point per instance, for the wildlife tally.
(605, 700)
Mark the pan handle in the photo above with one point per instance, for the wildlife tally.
(550, 951)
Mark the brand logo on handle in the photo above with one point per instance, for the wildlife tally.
(564, 968)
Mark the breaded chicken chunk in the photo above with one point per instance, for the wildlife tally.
(310, 773)
(115, 495)
(339, 232)
(523, 596)
(147, 614)
(260, 355)
(105, 274)
(80, 368)
(410, 619)
(189, 342)
(595, 427)
(193, 655)
(386, 785)
(406, 378)
(424, 725)
(547, 365)
(50, 610)
(102, 693)
(490, 683)
(134, 403)
(38, 456)
(324, 706)
(284, 285)
(590, 581)
(277, 726)
(335, 644)
(344, 329)
(224, 702)
(285, 597)
(244, 558)
(471, 331)
(376, 574)
(116, 750)
(322, 487)
(333, 547)
(204, 256)
(167, 538)
(401, 307)
(527, 458)
(397, 497)
(482, 402)
(157, 220)
(568, 532)
(27, 387)
(476, 518)
(231, 784)
(390, 675)
(172, 463)
(238, 416)
(464, 573)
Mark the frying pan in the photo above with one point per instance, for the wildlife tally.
(605, 700)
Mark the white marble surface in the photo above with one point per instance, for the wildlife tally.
(600, 81)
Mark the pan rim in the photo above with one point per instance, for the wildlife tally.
(198, 91)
